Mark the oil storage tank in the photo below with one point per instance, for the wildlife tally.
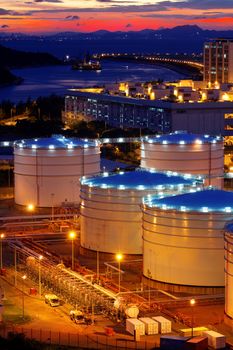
(183, 240)
(186, 153)
(47, 170)
(111, 207)
(229, 271)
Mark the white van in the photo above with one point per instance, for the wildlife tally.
(52, 300)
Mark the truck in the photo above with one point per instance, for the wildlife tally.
(52, 300)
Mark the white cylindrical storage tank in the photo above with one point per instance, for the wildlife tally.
(183, 243)
(186, 153)
(111, 207)
(229, 271)
(47, 170)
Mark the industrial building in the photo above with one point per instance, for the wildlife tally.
(229, 273)
(162, 116)
(183, 240)
(111, 207)
(47, 170)
(218, 61)
(186, 153)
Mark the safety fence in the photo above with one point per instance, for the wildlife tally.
(82, 341)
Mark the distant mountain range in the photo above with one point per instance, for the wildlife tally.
(185, 32)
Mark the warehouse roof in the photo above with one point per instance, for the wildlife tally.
(208, 200)
(141, 180)
(56, 141)
(182, 138)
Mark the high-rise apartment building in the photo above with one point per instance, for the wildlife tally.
(218, 61)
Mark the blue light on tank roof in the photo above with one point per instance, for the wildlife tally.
(228, 209)
(205, 209)
(183, 208)
(104, 186)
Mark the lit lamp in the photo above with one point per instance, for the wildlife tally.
(40, 258)
(23, 278)
(2, 236)
(119, 257)
(72, 236)
(192, 303)
(30, 207)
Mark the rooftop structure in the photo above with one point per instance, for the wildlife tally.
(185, 152)
(110, 207)
(47, 170)
(183, 240)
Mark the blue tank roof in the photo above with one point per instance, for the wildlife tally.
(212, 200)
(56, 141)
(229, 227)
(141, 179)
(182, 137)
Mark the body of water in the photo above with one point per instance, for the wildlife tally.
(44, 81)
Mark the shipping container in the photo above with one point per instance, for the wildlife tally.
(133, 324)
(215, 340)
(170, 342)
(165, 325)
(197, 343)
(197, 331)
(151, 326)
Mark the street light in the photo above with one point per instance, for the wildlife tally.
(2, 236)
(119, 257)
(23, 278)
(30, 207)
(72, 236)
(40, 258)
(192, 303)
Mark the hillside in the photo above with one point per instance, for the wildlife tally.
(7, 78)
(10, 58)
(18, 59)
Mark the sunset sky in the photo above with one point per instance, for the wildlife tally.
(45, 16)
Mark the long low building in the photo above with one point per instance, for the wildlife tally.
(157, 115)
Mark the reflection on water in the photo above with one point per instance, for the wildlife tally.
(44, 81)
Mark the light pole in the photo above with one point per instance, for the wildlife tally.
(119, 257)
(149, 275)
(2, 236)
(192, 303)
(52, 207)
(23, 278)
(98, 266)
(72, 236)
(15, 261)
(40, 258)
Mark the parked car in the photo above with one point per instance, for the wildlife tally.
(52, 300)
